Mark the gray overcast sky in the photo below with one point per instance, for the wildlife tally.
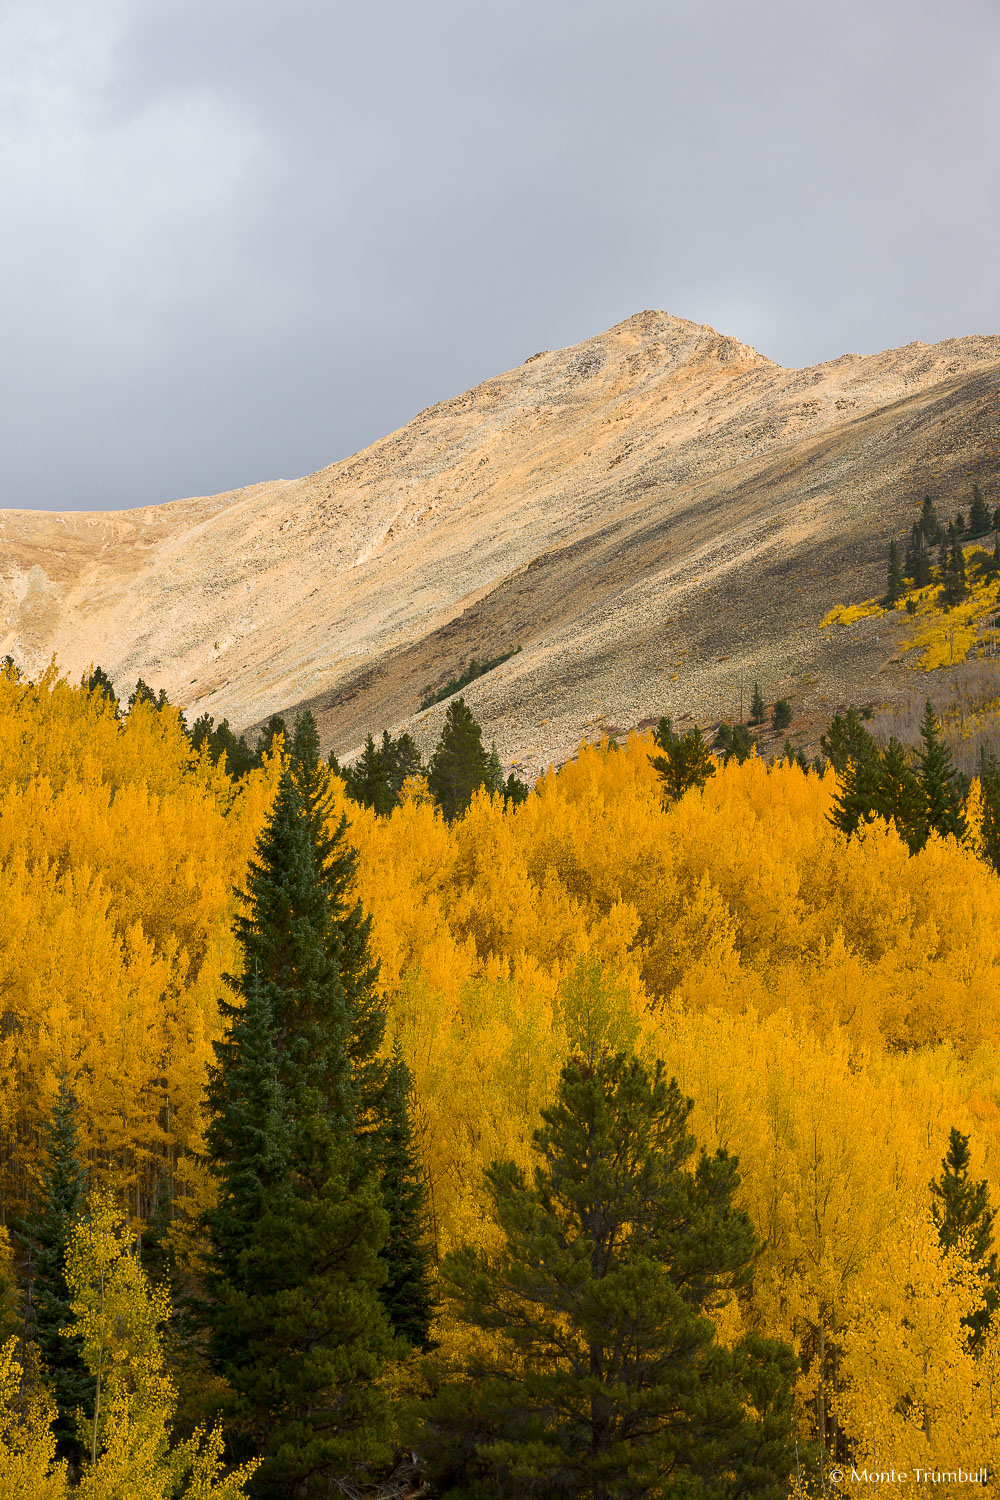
(242, 238)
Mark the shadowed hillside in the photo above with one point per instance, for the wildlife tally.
(648, 515)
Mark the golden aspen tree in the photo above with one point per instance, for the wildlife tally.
(117, 1315)
(28, 1466)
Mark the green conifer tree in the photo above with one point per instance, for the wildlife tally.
(297, 1326)
(930, 526)
(368, 780)
(336, 863)
(847, 739)
(856, 799)
(274, 729)
(141, 693)
(99, 683)
(758, 708)
(406, 761)
(781, 715)
(407, 1293)
(600, 1376)
(686, 761)
(988, 772)
(494, 772)
(46, 1236)
(894, 585)
(955, 584)
(979, 516)
(964, 1219)
(939, 781)
(460, 764)
(899, 797)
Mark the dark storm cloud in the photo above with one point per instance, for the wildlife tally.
(242, 239)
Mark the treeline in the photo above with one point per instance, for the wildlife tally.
(929, 537)
(459, 766)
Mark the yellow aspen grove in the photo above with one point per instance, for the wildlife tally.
(831, 1005)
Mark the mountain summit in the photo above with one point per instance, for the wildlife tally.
(649, 515)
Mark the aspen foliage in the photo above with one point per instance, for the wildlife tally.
(28, 1466)
(117, 1316)
(832, 1006)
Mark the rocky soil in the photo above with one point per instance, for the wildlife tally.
(654, 516)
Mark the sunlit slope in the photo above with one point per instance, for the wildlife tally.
(646, 514)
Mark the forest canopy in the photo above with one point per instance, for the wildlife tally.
(831, 1005)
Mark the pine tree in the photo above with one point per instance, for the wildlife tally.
(979, 515)
(959, 525)
(758, 708)
(855, 801)
(297, 1327)
(894, 578)
(686, 761)
(847, 739)
(899, 797)
(98, 682)
(939, 781)
(368, 781)
(494, 772)
(515, 791)
(964, 1220)
(407, 1293)
(274, 729)
(600, 1376)
(400, 760)
(336, 865)
(930, 526)
(988, 772)
(460, 764)
(47, 1237)
(916, 563)
(781, 715)
(248, 1150)
(955, 585)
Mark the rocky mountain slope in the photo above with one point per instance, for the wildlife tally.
(651, 515)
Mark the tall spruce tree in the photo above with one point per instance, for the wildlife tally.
(954, 575)
(916, 562)
(401, 759)
(899, 797)
(460, 765)
(600, 1376)
(894, 584)
(847, 739)
(939, 781)
(336, 864)
(930, 526)
(368, 780)
(964, 1219)
(980, 521)
(407, 1293)
(296, 1322)
(46, 1237)
(758, 708)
